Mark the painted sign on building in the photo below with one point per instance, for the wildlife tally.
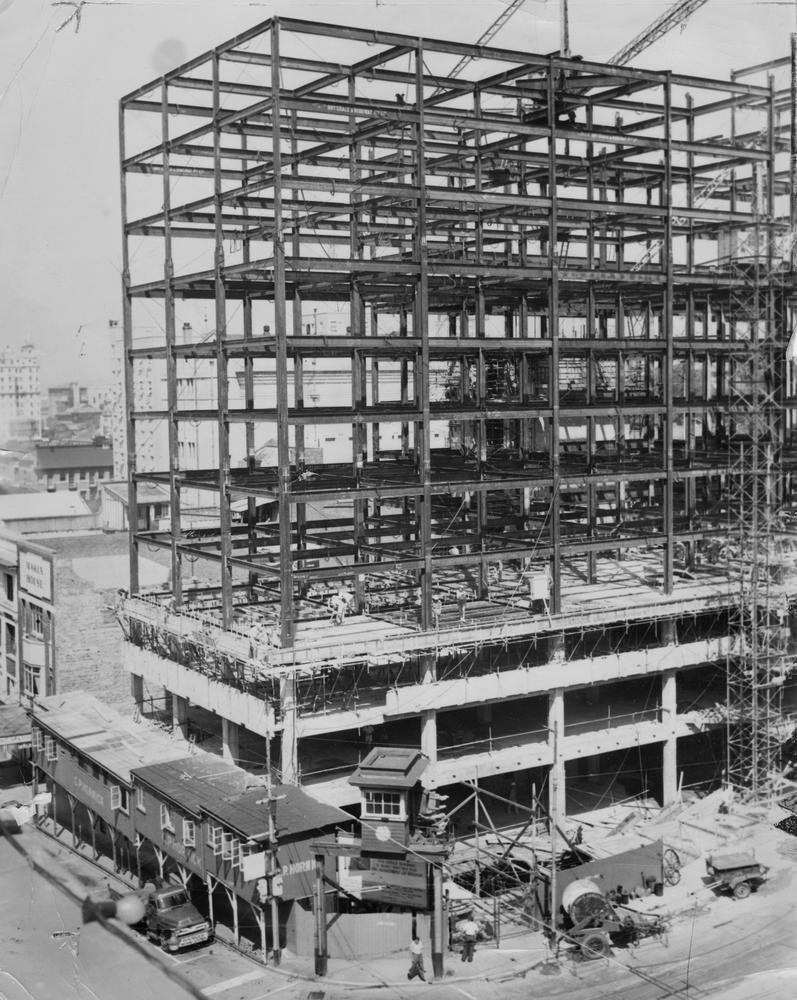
(395, 881)
(35, 575)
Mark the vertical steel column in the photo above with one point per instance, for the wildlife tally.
(249, 403)
(171, 362)
(668, 332)
(225, 537)
(127, 365)
(424, 444)
(358, 392)
(298, 331)
(281, 354)
(793, 152)
(553, 332)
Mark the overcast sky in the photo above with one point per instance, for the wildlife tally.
(59, 187)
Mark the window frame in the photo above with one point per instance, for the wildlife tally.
(189, 832)
(50, 748)
(166, 817)
(384, 797)
(141, 804)
(214, 839)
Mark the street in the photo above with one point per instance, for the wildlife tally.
(723, 948)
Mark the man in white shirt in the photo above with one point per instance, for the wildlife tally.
(470, 931)
(416, 960)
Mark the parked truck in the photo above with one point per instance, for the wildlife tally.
(172, 920)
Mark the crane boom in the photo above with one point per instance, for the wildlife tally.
(671, 18)
(489, 34)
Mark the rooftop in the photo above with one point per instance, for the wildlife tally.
(391, 767)
(114, 741)
(73, 456)
(209, 784)
(32, 506)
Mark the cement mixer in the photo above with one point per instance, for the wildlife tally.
(593, 922)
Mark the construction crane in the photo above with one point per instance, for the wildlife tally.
(489, 34)
(674, 16)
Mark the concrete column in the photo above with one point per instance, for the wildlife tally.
(230, 749)
(556, 648)
(290, 741)
(180, 715)
(669, 776)
(429, 735)
(668, 631)
(137, 690)
(556, 731)
(429, 719)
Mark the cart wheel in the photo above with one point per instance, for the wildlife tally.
(672, 867)
(594, 946)
(742, 890)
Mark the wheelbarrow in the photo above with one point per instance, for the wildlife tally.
(736, 873)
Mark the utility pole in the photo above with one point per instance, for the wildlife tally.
(270, 802)
(564, 29)
(554, 822)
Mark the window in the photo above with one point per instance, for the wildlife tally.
(119, 798)
(62, 476)
(11, 639)
(214, 839)
(167, 820)
(189, 833)
(379, 804)
(140, 803)
(38, 739)
(50, 748)
(230, 848)
(9, 586)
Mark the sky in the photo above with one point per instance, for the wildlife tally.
(61, 79)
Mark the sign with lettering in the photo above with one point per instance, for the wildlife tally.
(35, 575)
(86, 793)
(397, 882)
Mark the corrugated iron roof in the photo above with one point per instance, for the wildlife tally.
(114, 741)
(390, 767)
(209, 784)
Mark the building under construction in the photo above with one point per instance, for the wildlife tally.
(558, 558)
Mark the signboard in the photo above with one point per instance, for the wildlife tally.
(397, 882)
(253, 866)
(35, 575)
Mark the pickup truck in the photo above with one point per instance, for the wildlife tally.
(173, 921)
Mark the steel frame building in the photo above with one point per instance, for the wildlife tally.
(573, 269)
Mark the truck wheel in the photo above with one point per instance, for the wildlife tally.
(742, 890)
(594, 946)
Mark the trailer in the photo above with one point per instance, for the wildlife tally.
(737, 873)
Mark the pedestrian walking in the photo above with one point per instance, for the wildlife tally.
(416, 960)
(470, 931)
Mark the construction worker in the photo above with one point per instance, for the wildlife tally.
(470, 931)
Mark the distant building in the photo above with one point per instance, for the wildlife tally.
(153, 507)
(78, 467)
(45, 513)
(20, 393)
(27, 619)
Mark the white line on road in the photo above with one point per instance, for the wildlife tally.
(229, 984)
(193, 958)
(272, 993)
(459, 989)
